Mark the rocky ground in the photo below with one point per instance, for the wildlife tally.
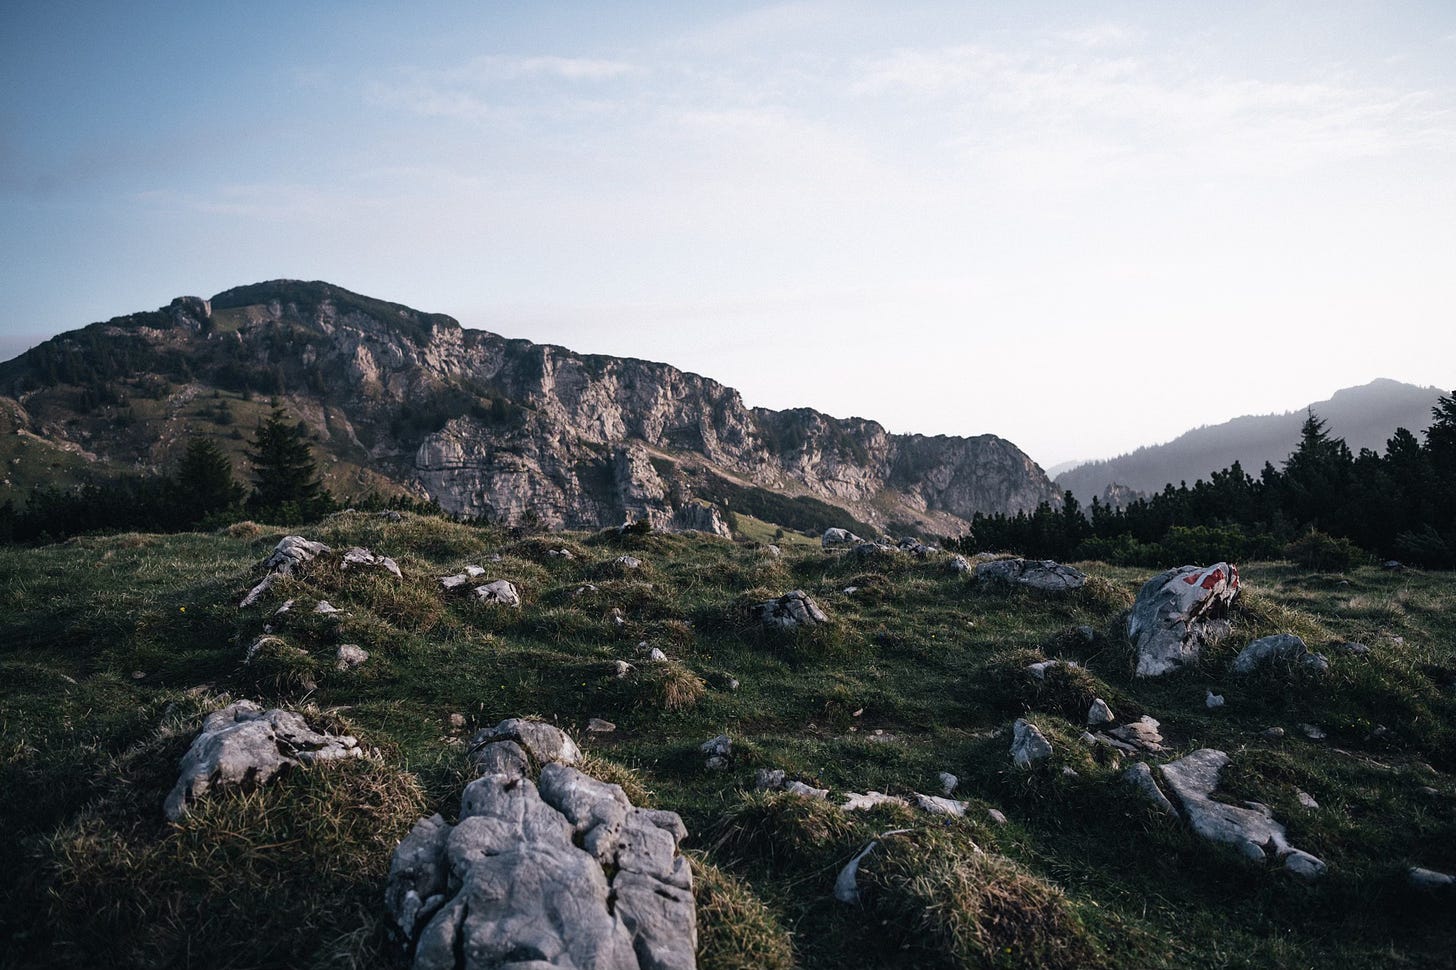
(433, 744)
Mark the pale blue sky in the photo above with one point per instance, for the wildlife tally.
(1083, 226)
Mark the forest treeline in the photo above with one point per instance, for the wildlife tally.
(1326, 507)
(200, 492)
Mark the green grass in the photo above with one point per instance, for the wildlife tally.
(111, 650)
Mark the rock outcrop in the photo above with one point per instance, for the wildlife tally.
(1044, 575)
(561, 872)
(244, 745)
(291, 554)
(791, 611)
(1177, 613)
(512, 430)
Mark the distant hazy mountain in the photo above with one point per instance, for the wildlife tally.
(1364, 416)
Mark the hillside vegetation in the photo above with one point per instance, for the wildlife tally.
(113, 648)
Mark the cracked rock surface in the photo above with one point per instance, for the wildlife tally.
(290, 553)
(561, 872)
(790, 611)
(1179, 612)
(244, 745)
(1044, 575)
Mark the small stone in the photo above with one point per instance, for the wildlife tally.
(560, 554)
(598, 726)
(656, 655)
(935, 805)
(1028, 744)
(948, 782)
(1306, 799)
(1212, 701)
(623, 669)
(1099, 713)
(1273, 733)
(769, 779)
(720, 746)
(960, 565)
(996, 815)
(359, 556)
(1355, 649)
(792, 611)
(1313, 732)
(326, 608)
(1069, 772)
(457, 722)
(137, 675)
(501, 592)
(349, 656)
(628, 562)
(850, 590)
(716, 763)
(1281, 647)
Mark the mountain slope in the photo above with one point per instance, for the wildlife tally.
(403, 400)
(1364, 416)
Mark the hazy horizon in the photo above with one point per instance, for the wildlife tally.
(1082, 227)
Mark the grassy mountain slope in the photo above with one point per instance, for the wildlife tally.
(112, 648)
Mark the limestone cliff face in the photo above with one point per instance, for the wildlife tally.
(517, 430)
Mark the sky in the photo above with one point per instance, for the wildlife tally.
(1083, 226)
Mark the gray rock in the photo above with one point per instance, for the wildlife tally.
(563, 873)
(291, 553)
(1212, 701)
(325, 608)
(996, 816)
(1044, 575)
(656, 655)
(948, 783)
(773, 551)
(501, 592)
(628, 562)
(1306, 799)
(805, 791)
(717, 747)
(769, 779)
(1355, 649)
(566, 554)
(361, 558)
(701, 517)
(349, 656)
(244, 745)
(545, 743)
(597, 725)
(936, 805)
(863, 802)
(1099, 713)
(1140, 776)
(1275, 733)
(960, 565)
(834, 538)
(1313, 732)
(1141, 734)
(1028, 745)
(791, 611)
(1253, 832)
(1281, 647)
(1429, 880)
(1177, 613)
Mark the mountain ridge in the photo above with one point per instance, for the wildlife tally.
(1365, 416)
(403, 400)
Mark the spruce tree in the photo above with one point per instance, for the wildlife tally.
(204, 484)
(285, 475)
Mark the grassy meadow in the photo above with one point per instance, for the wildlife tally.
(113, 648)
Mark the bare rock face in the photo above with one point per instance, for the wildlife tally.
(791, 611)
(1177, 613)
(1252, 830)
(563, 872)
(242, 744)
(287, 557)
(1045, 575)
(701, 517)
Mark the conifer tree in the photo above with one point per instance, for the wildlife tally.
(285, 475)
(204, 484)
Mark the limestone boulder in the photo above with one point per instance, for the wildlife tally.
(1179, 612)
(839, 538)
(559, 872)
(1044, 575)
(244, 745)
(291, 553)
(1028, 744)
(1282, 648)
(501, 592)
(791, 611)
(361, 558)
